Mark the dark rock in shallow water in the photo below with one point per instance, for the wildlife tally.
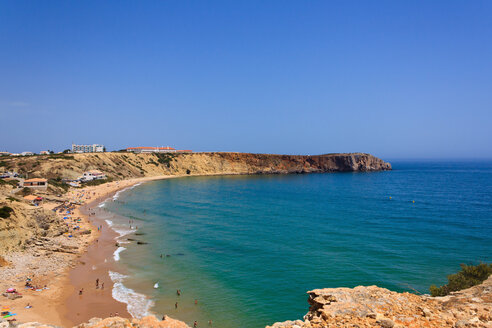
(142, 243)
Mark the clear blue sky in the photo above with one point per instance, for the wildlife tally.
(398, 79)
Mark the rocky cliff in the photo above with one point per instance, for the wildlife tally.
(112, 322)
(26, 225)
(128, 165)
(378, 307)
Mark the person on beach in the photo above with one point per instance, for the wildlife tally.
(195, 324)
(102, 285)
(97, 283)
(81, 291)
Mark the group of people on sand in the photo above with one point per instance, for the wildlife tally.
(98, 286)
(29, 285)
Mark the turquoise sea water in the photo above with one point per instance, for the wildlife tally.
(249, 247)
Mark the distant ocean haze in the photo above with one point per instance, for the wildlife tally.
(248, 248)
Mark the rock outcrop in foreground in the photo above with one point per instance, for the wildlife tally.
(112, 322)
(378, 307)
(146, 322)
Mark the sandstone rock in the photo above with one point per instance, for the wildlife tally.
(386, 323)
(146, 322)
(371, 306)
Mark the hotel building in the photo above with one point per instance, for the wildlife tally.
(88, 148)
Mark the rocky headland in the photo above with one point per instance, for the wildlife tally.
(373, 306)
(123, 165)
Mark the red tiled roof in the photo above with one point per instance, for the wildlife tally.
(151, 148)
(36, 180)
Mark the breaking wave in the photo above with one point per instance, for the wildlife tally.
(138, 305)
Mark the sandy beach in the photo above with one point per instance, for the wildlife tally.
(58, 277)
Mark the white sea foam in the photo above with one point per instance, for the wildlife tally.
(102, 204)
(117, 194)
(109, 222)
(116, 254)
(138, 305)
(122, 232)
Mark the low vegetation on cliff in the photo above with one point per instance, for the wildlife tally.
(469, 276)
(5, 212)
(120, 165)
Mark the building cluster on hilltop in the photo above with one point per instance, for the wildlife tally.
(167, 149)
(98, 148)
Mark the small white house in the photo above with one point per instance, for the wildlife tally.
(92, 175)
(36, 183)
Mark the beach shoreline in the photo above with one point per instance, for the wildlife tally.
(64, 273)
(97, 260)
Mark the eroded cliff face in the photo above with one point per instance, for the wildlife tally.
(112, 322)
(378, 307)
(27, 225)
(129, 165)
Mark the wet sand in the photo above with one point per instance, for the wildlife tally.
(95, 263)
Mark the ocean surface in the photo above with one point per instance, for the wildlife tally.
(248, 248)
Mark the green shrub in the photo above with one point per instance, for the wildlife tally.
(25, 191)
(12, 199)
(469, 276)
(13, 183)
(97, 182)
(57, 182)
(165, 158)
(5, 212)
